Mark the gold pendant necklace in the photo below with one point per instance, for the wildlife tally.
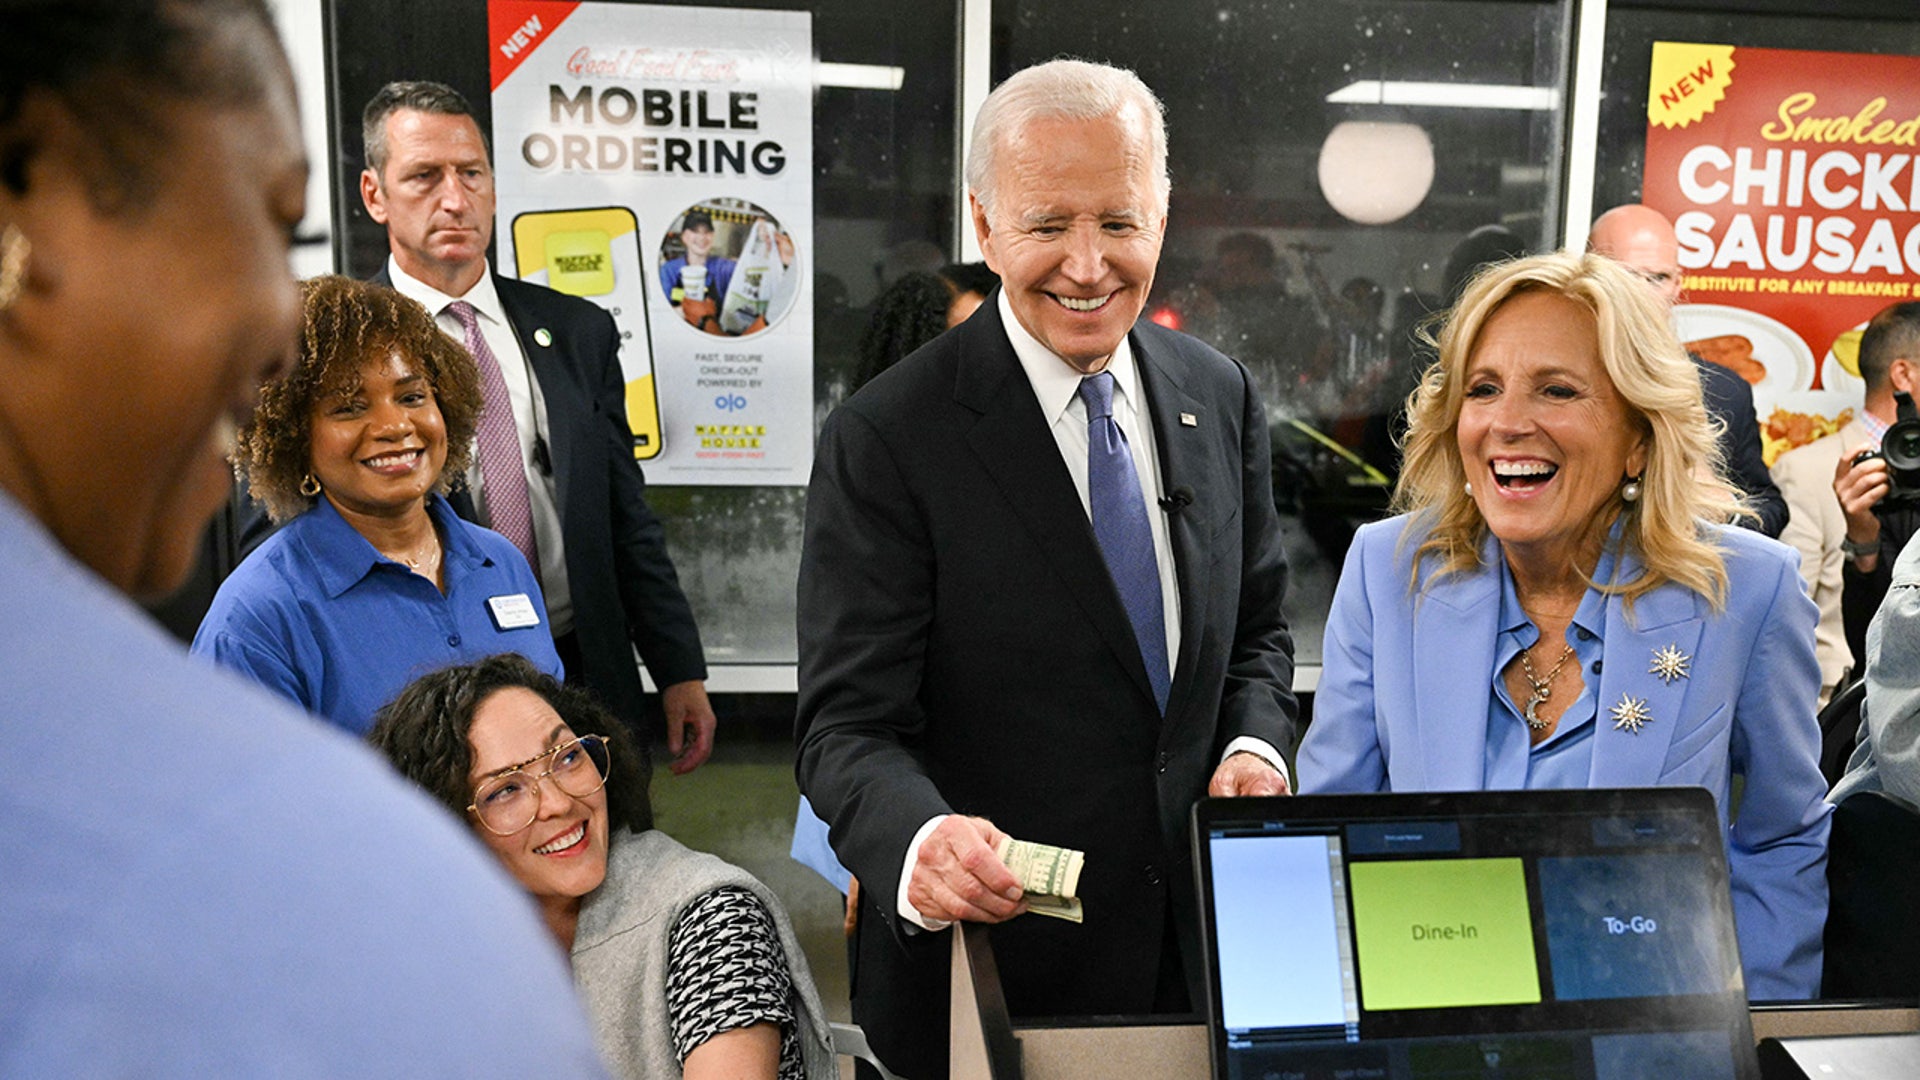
(425, 563)
(1542, 688)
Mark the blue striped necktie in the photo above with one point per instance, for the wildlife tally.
(1121, 527)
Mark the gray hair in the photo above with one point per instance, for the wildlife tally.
(1063, 90)
(420, 96)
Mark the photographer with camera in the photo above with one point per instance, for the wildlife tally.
(1832, 492)
(1877, 482)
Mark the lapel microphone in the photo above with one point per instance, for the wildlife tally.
(1177, 500)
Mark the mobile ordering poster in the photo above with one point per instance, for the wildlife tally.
(1791, 179)
(658, 161)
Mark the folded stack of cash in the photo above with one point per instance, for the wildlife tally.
(1048, 874)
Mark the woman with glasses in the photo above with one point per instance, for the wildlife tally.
(688, 966)
(373, 579)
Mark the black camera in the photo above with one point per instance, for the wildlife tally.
(1901, 449)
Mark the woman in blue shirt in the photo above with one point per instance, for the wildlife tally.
(373, 580)
(1561, 605)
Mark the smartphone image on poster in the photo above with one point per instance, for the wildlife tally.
(595, 254)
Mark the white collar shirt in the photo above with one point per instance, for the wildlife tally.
(529, 420)
(1056, 385)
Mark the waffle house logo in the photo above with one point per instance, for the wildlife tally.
(730, 436)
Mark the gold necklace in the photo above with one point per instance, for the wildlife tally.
(426, 564)
(1542, 688)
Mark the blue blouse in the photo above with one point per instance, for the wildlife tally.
(317, 614)
(1565, 758)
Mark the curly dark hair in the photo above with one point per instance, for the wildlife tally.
(910, 313)
(346, 325)
(973, 277)
(117, 65)
(423, 732)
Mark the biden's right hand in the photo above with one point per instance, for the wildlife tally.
(958, 877)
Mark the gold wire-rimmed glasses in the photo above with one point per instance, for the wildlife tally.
(509, 800)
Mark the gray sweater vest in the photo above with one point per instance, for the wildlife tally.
(620, 953)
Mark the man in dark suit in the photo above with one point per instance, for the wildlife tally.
(1040, 593)
(1642, 239)
(556, 472)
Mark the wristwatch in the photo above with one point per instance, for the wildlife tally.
(1859, 551)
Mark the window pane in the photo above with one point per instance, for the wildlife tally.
(1263, 99)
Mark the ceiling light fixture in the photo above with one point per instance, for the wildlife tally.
(1374, 173)
(858, 76)
(1446, 95)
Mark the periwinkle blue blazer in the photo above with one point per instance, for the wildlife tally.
(1404, 692)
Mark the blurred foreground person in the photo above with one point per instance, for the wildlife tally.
(688, 965)
(1557, 606)
(373, 580)
(200, 881)
(1887, 757)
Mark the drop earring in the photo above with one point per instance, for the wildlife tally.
(15, 250)
(310, 486)
(1630, 491)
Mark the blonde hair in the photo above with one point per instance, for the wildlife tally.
(1683, 486)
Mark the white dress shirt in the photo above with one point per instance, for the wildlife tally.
(529, 419)
(1057, 386)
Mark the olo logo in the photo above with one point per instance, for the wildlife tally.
(730, 402)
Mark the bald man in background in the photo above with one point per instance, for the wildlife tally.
(1642, 239)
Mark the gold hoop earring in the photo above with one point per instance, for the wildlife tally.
(15, 250)
(310, 486)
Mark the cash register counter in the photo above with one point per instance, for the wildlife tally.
(986, 1046)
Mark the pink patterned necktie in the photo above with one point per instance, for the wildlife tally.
(502, 473)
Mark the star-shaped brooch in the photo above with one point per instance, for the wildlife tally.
(1670, 663)
(1631, 714)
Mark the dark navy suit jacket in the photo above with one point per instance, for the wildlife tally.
(963, 649)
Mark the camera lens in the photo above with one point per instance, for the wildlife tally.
(1901, 447)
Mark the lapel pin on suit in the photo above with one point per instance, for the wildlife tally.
(1631, 714)
(1187, 419)
(1670, 663)
(543, 337)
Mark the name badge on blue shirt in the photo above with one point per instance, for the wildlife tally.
(513, 612)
